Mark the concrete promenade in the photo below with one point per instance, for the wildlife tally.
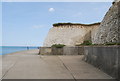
(29, 65)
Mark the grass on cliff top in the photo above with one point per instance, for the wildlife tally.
(61, 24)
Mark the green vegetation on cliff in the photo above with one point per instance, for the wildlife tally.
(89, 42)
(86, 42)
(61, 24)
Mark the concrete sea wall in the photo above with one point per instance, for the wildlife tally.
(45, 50)
(73, 50)
(61, 51)
(106, 58)
(119, 63)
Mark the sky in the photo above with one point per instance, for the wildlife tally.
(28, 23)
(0, 24)
(57, 0)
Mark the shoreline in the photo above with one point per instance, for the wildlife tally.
(21, 52)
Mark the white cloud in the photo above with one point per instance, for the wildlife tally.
(38, 26)
(51, 9)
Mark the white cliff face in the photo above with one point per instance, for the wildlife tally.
(116, 0)
(108, 32)
(68, 35)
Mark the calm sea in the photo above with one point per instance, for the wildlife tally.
(12, 49)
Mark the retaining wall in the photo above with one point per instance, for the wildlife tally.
(62, 51)
(57, 51)
(119, 63)
(45, 50)
(106, 58)
(73, 50)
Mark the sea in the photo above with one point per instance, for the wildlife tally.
(11, 49)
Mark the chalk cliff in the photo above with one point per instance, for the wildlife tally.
(109, 30)
(69, 34)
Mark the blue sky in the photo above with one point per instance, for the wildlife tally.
(27, 23)
(0, 24)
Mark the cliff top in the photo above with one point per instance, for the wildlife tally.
(62, 24)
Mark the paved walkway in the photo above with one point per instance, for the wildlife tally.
(29, 65)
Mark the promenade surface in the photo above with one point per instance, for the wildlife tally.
(29, 65)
